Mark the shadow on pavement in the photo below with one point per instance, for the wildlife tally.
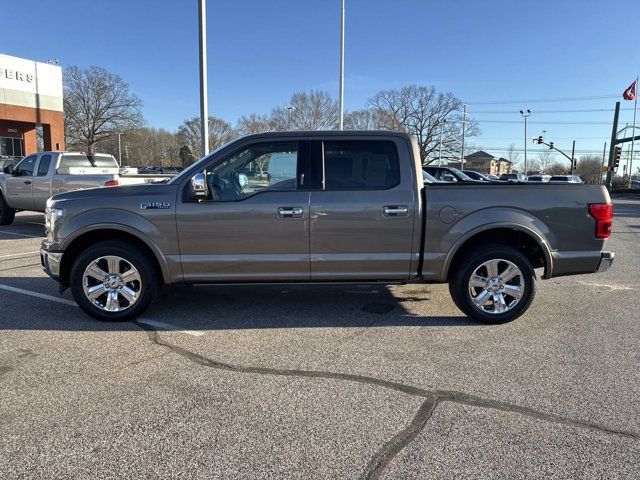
(232, 307)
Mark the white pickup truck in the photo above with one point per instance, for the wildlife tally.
(29, 184)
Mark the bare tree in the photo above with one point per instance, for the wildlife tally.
(512, 154)
(588, 169)
(315, 110)
(427, 115)
(97, 105)
(556, 169)
(220, 132)
(365, 119)
(254, 123)
(144, 146)
(545, 159)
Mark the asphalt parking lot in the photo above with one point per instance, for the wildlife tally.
(321, 381)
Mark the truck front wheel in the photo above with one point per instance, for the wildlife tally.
(113, 281)
(7, 214)
(494, 284)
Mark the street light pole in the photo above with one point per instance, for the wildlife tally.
(290, 109)
(204, 114)
(525, 114)
(341, 126)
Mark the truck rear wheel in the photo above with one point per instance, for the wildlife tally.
(114, 281)
(494, 284)
(7, 214)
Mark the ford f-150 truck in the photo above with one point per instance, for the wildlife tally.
(29, 184)
(353, 208)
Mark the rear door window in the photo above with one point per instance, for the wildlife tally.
(360, 165)
(43, 166)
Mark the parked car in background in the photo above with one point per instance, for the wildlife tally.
(483, 177)
(29, 184)
(565, 179)
(429, 179)
(635, 183)
(491, 176)
(538, 178)
(356, 209)
(513, 177)
(448, 174)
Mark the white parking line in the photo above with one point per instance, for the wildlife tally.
(64, 301)
(20, 234)
(19, 254)
(43, 296)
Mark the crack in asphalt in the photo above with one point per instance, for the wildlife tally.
(433, 397)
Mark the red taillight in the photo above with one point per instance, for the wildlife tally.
(603, 213)
(111, 183)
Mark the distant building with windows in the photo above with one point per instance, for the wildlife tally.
(484, 162)
(30, 98)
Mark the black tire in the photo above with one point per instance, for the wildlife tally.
(461, 275)
(149, 286)
(7, 214)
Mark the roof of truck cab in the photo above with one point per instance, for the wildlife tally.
(332, 133)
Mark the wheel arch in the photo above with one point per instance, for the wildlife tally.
(522, 238)
(74, 246)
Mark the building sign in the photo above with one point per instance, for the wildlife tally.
(25, 83)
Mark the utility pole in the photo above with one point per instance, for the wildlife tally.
(604, 152)
(633, 130)
(612, 146)
(464, 124)
(573, 158)
(341, 126)
(204, 100)
(440, 149)
(525, 114)
(120, 148)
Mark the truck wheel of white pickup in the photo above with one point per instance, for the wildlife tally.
(113, 281)
(493, 284)
(7, 214)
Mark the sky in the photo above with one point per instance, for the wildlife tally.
(499, 56)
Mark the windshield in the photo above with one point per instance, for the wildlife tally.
(428, 178)
(190, 170)
(460, 174)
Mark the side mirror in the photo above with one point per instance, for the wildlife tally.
(199, 188)
(7, 170)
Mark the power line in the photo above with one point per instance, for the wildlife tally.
(546, 100)
(554, 122)
(585, 110)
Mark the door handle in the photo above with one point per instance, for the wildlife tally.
(395, 211)
(27, 182)
(290, 212)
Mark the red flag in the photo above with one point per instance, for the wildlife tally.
(631, 92)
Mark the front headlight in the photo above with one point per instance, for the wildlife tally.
(51, 217)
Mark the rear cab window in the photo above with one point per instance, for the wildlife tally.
(79, 160)
(360, 165)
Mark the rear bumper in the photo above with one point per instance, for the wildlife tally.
(51, 263)
(606, 259)
(574, 263)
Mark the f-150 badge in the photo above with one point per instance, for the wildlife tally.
(154, 205)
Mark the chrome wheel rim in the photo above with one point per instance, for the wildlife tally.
(111, 283)
(496, 286)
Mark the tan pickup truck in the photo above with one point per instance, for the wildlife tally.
(303, 207)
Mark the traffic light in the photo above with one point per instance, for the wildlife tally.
(540, 139)
(574, 165)
(617, 151)
(550, 145)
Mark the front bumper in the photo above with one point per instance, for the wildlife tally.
(606, 259)
(51, 263)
